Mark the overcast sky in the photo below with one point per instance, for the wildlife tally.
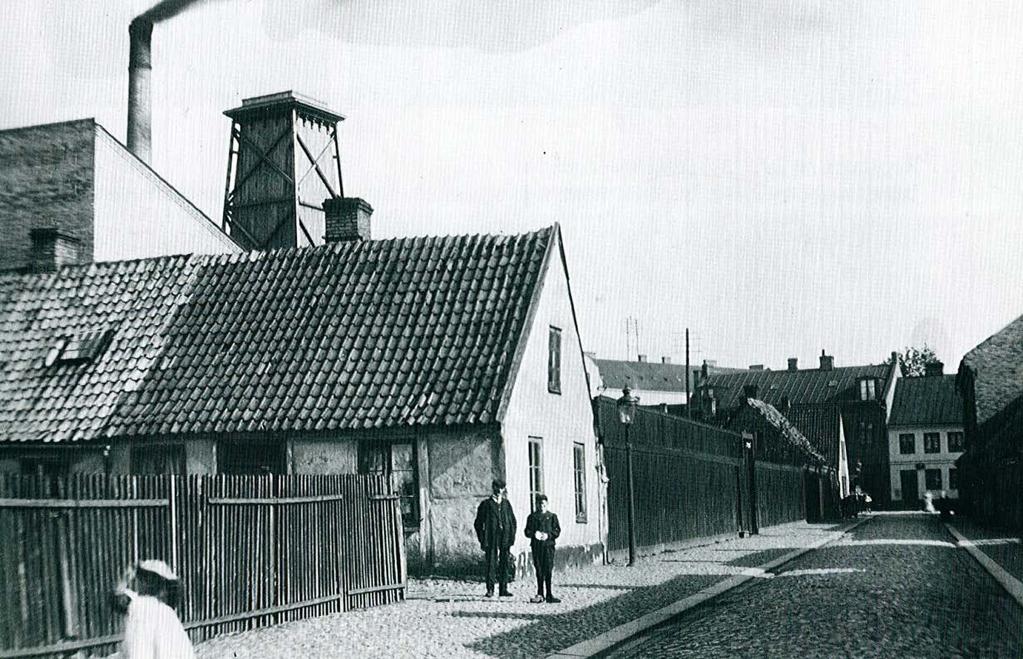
(780, 177)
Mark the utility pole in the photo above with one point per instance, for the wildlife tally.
(689, 374)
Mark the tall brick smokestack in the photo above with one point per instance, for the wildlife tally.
(140, 71)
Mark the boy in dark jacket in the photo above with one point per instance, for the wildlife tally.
(542, 529)
(495, 529)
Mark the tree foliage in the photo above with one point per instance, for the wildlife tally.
(913, 361)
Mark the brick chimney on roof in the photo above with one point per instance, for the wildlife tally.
(827, 361)
(641, 358)
(51, 249)
(793, 364)
(665, 360)
(347, 219)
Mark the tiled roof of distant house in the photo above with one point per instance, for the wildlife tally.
(926, 401)
(806, 386)
(403, 332)
(651, 376)
(997, 364)
(821, 424)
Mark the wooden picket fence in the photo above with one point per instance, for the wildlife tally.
(251, 551)
(691, 480)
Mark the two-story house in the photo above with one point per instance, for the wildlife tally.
(925, 438)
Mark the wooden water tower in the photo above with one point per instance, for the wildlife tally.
(283, 163)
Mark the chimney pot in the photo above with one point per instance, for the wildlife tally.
(665, 360)
(347, 219)
(756, 367)
(51, 249)
(641, 358)
(827, 361)
(793, 364)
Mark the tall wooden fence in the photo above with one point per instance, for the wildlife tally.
(250, 550)
(690, 480)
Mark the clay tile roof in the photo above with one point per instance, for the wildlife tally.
(996, 364)
(342, 336)
(926, 401)
(802, 387)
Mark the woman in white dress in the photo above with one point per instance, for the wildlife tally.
(152, 629)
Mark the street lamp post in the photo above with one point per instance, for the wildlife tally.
(626, 414)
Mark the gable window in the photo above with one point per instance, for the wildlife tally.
(932, 442)
(397, 462)
(953, 479)
(579, 470)
(955, 442)
(932, 479)
(907, 443)
(868, 389)
(158, 459)
(535, 469)
(554, 361)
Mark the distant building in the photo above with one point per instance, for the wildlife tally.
(71, 193)
(862, 396)
(660, 384)
(925, 438)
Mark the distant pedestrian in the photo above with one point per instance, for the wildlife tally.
(543, 529)
(152, 629)
(495, 529)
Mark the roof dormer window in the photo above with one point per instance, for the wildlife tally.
(78, 349)
(868, 389)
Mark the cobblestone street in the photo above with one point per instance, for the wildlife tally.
(896, 586)
(446, 618)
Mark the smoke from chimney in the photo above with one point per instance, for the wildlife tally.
(140, 69)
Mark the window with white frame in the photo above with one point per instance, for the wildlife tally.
(932, 442)
(535, 469)
(868, 389)
(955, 442)
(554, 361)
(907, 443)
(579, 470)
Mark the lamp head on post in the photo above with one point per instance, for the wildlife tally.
(627, 407)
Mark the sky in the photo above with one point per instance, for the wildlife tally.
(779, 177)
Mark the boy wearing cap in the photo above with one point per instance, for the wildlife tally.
(542, 529)
(152, 629)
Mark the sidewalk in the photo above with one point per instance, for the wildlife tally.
(1000, 552)
(447, 618)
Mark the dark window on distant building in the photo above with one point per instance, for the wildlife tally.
(955, 442)
(953, 479)
(535, 469)
(868, 389)
(579, 469)
(397, 461)
(554, 361)
(251, 458)
(159, 459)
(932, 479)
(932, 442)
(907, 443)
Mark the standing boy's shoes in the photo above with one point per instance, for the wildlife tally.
(536, 599)
(551, 599)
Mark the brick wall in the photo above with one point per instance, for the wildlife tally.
(46, 181)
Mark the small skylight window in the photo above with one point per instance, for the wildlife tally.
(80, 348)
(833, 383)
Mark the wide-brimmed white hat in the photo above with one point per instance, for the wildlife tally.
(159, 568)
